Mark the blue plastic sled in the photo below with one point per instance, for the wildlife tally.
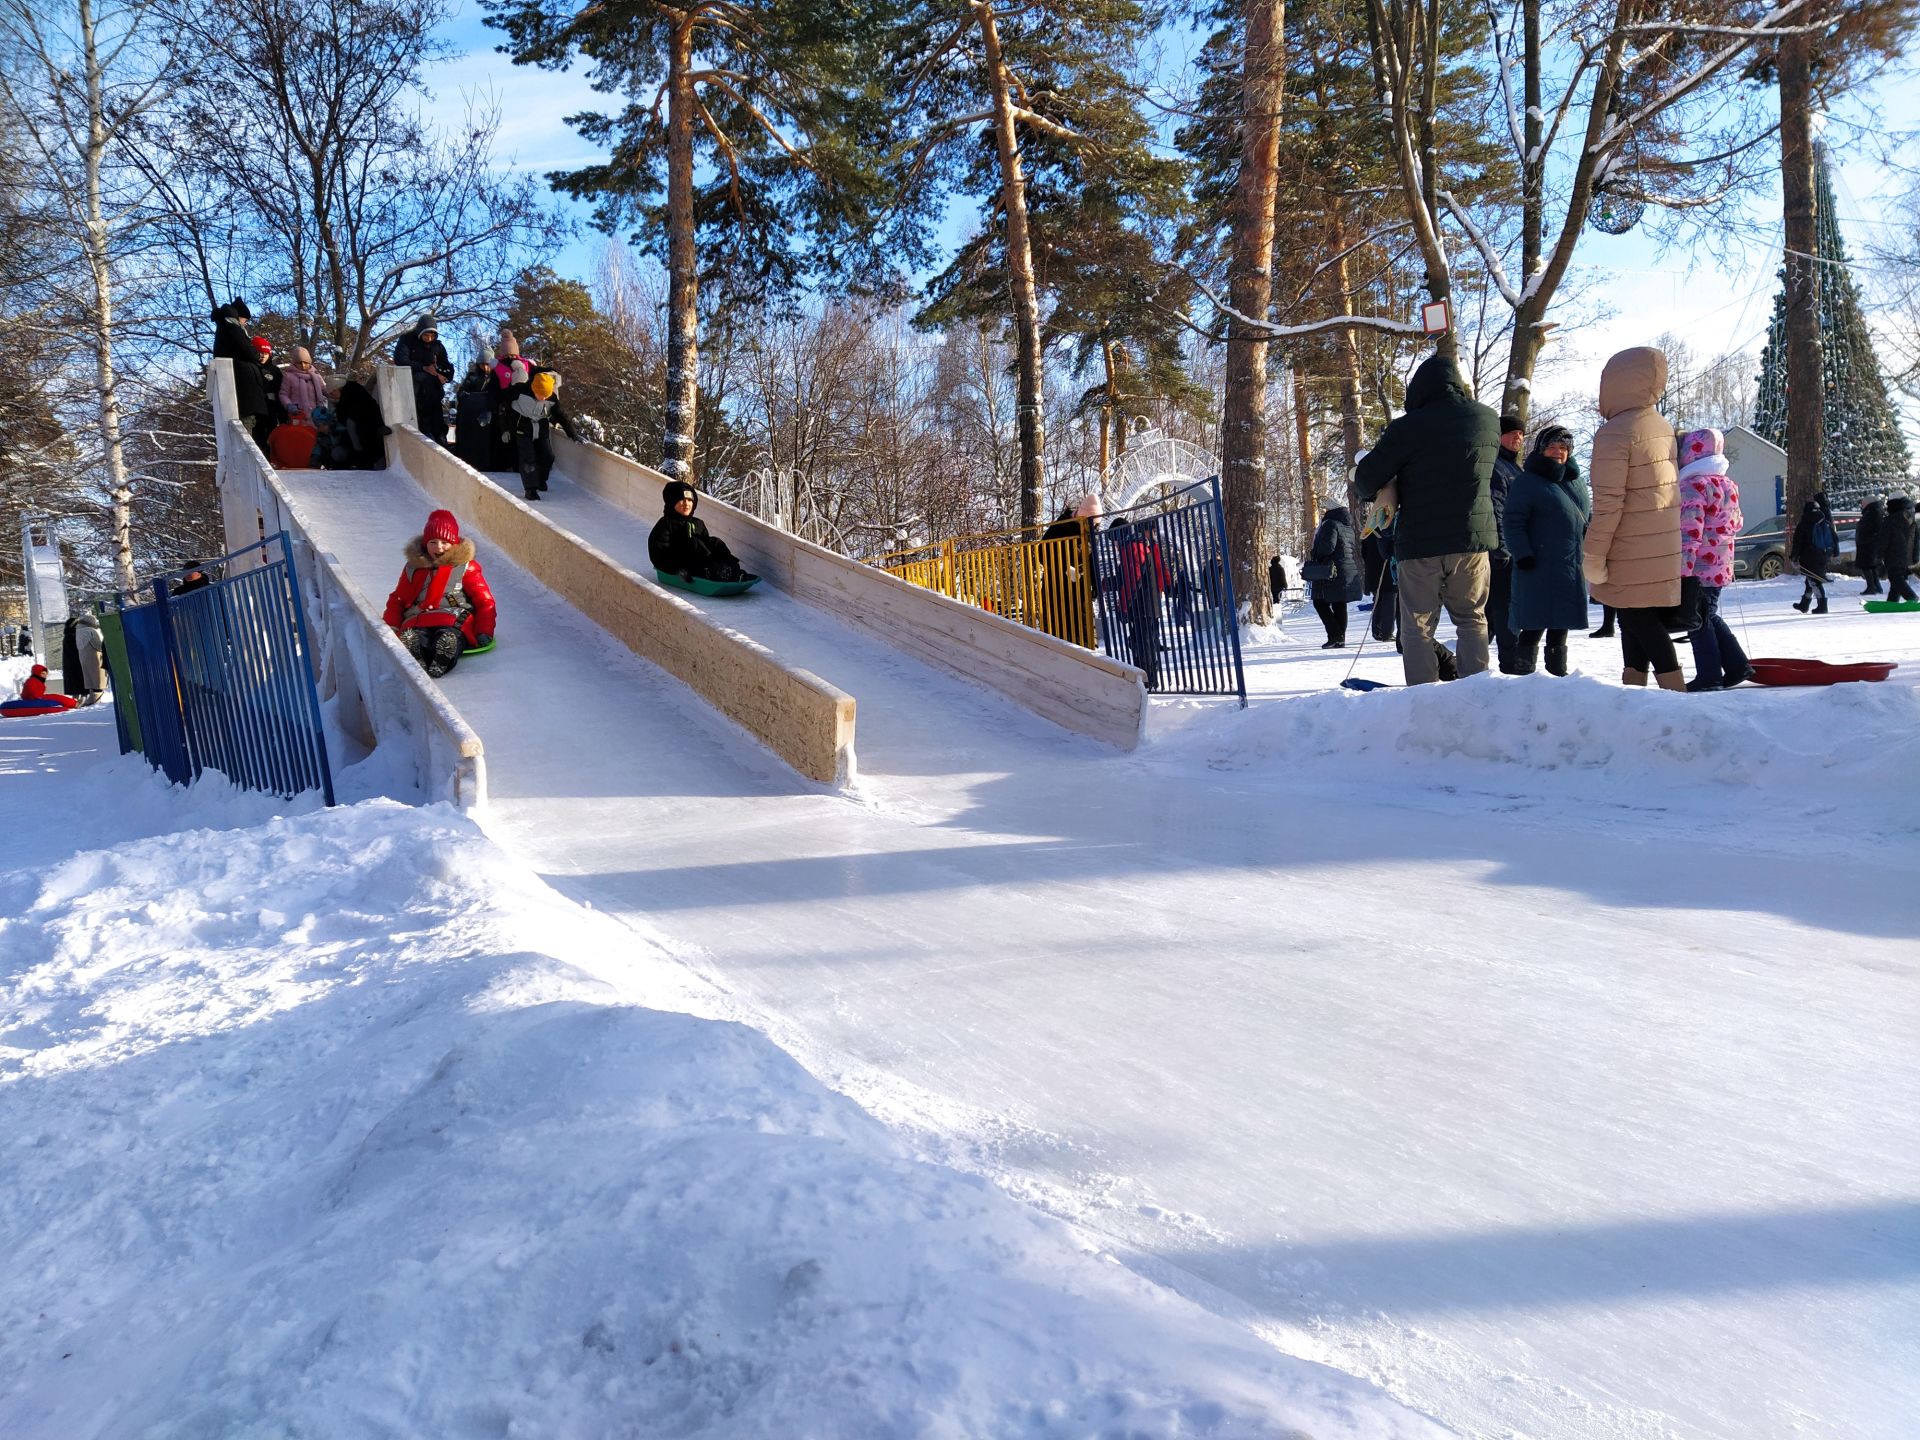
(1354, 682)
(710, 588)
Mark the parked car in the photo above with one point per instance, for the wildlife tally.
(1761, 549)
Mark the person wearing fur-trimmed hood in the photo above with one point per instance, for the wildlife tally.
(442, 604)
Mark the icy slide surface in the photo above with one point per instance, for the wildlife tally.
(1544, 1055)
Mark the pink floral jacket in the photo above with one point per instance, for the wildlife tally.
(1710, 518)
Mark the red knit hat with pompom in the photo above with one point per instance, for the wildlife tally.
(262, 344)
(442, 526)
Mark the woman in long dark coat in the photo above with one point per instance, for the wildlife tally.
(1337, 554)
(1545, 518)
(231, 342)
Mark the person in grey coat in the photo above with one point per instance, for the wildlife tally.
(1545, 518)
(1333, 573)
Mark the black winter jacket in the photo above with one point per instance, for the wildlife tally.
(418, 354)
(680, 544)
(1334, 542)
(1809, 554)
(231, 342)
(1899, 543)
(1506, 469)
(1866, 534)
(358, 414)
(1441, 452)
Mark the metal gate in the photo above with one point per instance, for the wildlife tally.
(219, 677)
(1165, 593)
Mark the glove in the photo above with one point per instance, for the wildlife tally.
(1526, 562)
(480, 642)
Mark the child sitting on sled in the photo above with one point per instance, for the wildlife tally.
(442, 606)
(35, 689)
(680, 544)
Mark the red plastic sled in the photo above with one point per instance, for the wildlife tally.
(1818, 672)
(19, 709)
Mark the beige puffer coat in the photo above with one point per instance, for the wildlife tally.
(1632, 551)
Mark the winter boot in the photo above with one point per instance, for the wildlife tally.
(1633, 677)
(444, 652)
(1671, 680)
(1821, 607)
(531, 493)
(1557, 657)
(1702, 682)
(1803, 602)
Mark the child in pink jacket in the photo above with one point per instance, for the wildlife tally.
(1710, 520)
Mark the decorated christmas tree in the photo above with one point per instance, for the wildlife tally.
(1865, 450)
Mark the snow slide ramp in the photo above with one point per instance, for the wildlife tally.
(1075, 688)
(376, 692)
(804, 720)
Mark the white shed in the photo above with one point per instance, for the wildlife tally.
(1759, 468)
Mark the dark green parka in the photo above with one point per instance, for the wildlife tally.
(1441, 452)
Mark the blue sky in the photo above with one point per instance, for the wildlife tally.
(1635, 290)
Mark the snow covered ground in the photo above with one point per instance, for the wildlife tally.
(340, 1125)
(1537, 1050)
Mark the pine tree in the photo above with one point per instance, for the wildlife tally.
(1864, 446)
(744, 151)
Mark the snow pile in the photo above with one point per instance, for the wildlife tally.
(1746, 738)
(307, 1133)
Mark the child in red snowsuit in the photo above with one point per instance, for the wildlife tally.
(442, 605)
(36, 689)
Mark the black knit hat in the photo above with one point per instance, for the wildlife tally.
(672, 492)
(1511, 423)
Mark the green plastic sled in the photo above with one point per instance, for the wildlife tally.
(467, 651)
(710, 588)
(1890, 607)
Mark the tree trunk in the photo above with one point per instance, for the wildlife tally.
(1806, 399)
(1404, 62)
(1303, 433)
(1109, 412)
(1524, 351)
(1243, 413)
(683, 274)
(1025, 294)
(106, 377)
(1545, 270)
(1351, 421)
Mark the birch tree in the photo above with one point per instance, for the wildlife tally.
(75, 86)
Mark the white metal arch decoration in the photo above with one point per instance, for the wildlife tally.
(1153, 463)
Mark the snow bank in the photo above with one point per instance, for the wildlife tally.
(1747, 737)
(308, 1134)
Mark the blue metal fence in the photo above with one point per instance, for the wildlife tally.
(222, 677)
(1165, 593)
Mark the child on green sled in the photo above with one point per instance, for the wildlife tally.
(680, 544)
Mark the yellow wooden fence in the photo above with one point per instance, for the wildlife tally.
(1045, 584)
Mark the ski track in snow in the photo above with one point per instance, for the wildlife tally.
(1537, 1050)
